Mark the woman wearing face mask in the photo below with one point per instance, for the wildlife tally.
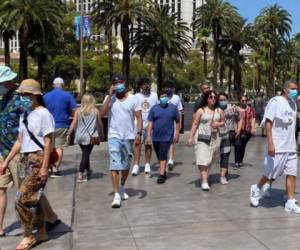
(160, 131)
(228, 133)
(207, 121)
(34, 143)
(247, 114)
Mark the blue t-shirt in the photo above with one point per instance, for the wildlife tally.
(60, 104)
(163, 122)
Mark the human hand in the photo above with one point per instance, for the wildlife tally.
(111, 90)
(176, 138)
(190, 141)
(214, 124)
(43, 174)
(137, 140)
(3, 167)
(148, 141)
(271, 149)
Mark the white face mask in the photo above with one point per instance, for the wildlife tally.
(3, 90)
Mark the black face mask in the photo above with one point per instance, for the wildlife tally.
(146, 90)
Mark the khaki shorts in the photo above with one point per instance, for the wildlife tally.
(60, 138)
(11, 176)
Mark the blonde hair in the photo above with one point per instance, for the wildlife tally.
(88, 104)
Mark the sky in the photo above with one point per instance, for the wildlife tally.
(249, 9)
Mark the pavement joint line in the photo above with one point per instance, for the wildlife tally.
(258, 240)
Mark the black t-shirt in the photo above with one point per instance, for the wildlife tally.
(197, 103)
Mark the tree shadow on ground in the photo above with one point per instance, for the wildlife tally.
(134, 192)
(169, 175)
(69, 171)
(97, 175)
(214, 179)
(277, 199)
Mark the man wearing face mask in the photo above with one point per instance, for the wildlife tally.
(280, 123)
(160, 131)
(175, 100)
(122, 109)
(12, 106)
(147, 100)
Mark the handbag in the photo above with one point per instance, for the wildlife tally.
(53, 155)
(205, 137)
(94, 140)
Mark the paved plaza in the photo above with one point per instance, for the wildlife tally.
(175, 215)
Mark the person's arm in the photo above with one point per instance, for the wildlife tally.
(47, 151)
(149, 133)
(13, 152)
(271, 147)
(106, 103)
(100, 125)
(240, 124)
(195, 124)
(73, 124)
(253, 123)
(221, 123)
(178, 127)
(139, 126)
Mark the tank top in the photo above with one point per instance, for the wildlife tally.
(205, 122)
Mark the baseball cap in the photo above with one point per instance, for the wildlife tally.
(6, 74)
(58, 80)
(29, 86)
(117, 78)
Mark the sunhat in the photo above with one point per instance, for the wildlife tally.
(6, 74)
(29, 86)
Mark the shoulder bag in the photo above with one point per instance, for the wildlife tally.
(94, 140)
(205, 137)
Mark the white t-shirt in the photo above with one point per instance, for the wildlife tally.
(146, 103)
(283, 115)
(121, 117)
(40, 124)
(177, 102)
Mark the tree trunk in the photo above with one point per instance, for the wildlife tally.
(270, 85)
(258, 77)
(126, 51)
(159, 70)
(222, 71)
(23, 63)
(6, 48)
(110, 47)
(204, 46)
(298, 73)
(229, 79)
(216, 56)
(40, 76)
(237, 72)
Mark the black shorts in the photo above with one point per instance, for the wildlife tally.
(161, 149)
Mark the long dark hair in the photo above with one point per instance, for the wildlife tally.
(204, 101)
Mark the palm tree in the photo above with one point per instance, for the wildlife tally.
(219, 17)
(6, 33)
(103, 17)
(296, 59)
(25, 13)
(273, 23)
(161, 34)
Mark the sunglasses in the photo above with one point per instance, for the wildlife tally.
(212, 97)
(244, 100)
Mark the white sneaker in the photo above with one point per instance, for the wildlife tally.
(147, 168)
(170, 165)
(285, 197)
(266, 190)
(117, 201)
(255, 195)
(123, 194)
(223, 180)
(135, 170)
(292, 207)
(205, 186)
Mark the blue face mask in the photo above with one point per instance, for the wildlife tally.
(26, 101)
(293, 94)
(223, 105)
(163, 100)
(3, 90)
(120, 88)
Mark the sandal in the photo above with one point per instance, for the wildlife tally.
(27, 245)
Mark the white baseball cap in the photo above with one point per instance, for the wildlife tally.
(58, 81)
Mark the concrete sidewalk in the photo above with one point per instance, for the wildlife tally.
(175, 215)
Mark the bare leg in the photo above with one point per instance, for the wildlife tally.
(124, 176)
(137, 154)
(291, 186)
(223, 172)
(263, 180)
(204, 173)
(148, 153)
(3, 205)
(172, 151)
(60, 153)
(162, 167)
(115, 180)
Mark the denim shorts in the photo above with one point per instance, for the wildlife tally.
(120, 154)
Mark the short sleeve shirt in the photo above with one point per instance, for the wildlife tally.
(175, 100)
(60, 103)
(40, 124)
(12, 107)
(163, 119)
(146, 103)
(282, 113)
(121, 117)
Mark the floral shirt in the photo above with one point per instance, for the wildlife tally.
(232, 116)
(11, 108)
(248, 115)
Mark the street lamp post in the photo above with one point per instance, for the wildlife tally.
(81, 88)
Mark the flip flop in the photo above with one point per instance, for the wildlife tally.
(27, 245)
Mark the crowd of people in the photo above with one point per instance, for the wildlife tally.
(35, 128)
